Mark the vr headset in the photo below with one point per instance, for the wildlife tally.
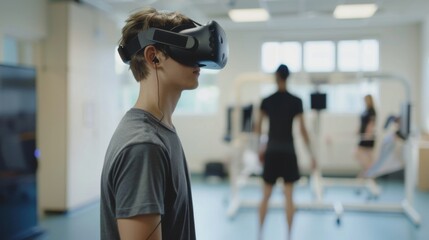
(205, 46)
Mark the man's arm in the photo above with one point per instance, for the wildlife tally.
(258, 124)
(258, 131)
(306, 138)
(369, 130)
(142, 227)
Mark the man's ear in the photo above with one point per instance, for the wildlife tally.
(150, 55)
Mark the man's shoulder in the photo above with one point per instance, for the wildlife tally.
(137, 127)
(282, 95)
(270, 97)
(133, 130)
(293, 96)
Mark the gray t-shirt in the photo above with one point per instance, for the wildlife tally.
(145, 172)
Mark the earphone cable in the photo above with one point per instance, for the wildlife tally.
(157, 81)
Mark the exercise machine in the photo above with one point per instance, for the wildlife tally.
(243, 142)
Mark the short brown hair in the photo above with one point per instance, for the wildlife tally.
(142, 20)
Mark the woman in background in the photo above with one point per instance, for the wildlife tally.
(365, 149)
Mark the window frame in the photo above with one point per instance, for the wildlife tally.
(336, 54)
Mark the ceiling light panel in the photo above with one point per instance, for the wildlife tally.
(249, 15)
(353, 11)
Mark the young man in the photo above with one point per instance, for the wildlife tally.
(145, 185)
(279, 159)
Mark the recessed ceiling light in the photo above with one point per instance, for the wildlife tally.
(351, 11)
(249, 15)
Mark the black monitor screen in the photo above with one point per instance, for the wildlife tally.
(405, 120)
(318, 101)
(17, 119)
(246, 121)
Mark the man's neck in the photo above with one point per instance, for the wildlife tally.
(281, 86)
(161, 106)
(282, 89)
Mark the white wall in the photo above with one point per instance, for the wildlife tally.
(400, 54)
(79, 104)
(93, 100)
(52, 113)
(425, 75)
(22, 20)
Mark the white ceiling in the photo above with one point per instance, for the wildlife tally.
(285, 14)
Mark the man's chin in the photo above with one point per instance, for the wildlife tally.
(194, 87)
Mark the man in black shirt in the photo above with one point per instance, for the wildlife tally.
(279, 159)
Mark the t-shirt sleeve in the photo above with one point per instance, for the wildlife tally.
(264, 105)
(139, 180)
(372, 114)
(299, 108)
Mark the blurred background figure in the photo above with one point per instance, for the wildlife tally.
(365, 150)
(278, 157)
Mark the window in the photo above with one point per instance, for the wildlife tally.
(201, 101)
(348, 56)
(370, 55)
(204, 99)
(351, 96)
(120, 66)
(274, 54)
(358, 55)
(326, 56)
(292, 55)
(340, 98)
(10, 49)
(270, 56)
(319, 56)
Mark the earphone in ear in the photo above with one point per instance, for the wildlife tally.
(155, 60)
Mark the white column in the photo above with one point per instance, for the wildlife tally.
(1, 46)
(425, 75)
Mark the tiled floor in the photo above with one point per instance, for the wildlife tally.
(211, 203)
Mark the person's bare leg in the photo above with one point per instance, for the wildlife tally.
(290, 206)
(360, 155)
(267, 190)
(369, 158)
(365, 159)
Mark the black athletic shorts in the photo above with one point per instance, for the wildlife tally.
(367, 143)
(280, 164)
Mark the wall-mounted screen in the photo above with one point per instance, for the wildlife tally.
(17, 119)
(318, 101)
